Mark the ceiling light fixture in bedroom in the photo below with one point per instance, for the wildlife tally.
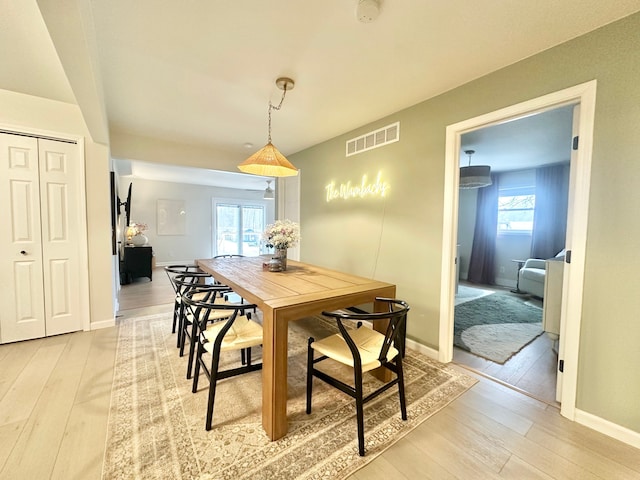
(476, 176)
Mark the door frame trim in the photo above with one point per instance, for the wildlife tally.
(573, 280)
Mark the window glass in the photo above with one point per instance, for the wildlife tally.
(238, 229)
(252, 228)
(515, 210)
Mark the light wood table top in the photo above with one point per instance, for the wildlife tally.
(302, 290)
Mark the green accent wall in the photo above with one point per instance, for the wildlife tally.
(399, 238)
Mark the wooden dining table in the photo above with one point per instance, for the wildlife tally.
(300, 291)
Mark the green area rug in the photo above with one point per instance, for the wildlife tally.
(496, 326)
(466, 294)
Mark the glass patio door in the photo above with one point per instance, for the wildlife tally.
(238, 229)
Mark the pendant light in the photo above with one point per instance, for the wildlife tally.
(268, 192)
(268, 161)
(476, 176)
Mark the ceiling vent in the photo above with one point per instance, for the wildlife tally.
(375, 139)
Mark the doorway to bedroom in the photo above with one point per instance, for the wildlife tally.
(572, 278)
(499, 334)
(522, 215)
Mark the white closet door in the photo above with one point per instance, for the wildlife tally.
(21, 294)
(59, 163)
(39, 237)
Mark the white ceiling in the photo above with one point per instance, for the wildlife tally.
(532, 141)
(203, 71)
(189, 175)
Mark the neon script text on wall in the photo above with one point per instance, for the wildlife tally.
(345, 191)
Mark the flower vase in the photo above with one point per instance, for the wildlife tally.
(281, 255)
(139, 240)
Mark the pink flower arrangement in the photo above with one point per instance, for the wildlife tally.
(281, 234)
(138, 228)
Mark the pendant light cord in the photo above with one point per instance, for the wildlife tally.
(469, 152)
(273, 107)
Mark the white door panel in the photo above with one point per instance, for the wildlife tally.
(58, 189)
(575, 130)
(27, 308)
(21, 295)
(40, 183)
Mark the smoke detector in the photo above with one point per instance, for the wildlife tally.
(367, 10)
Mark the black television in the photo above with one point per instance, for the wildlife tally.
(115, 211)
(127, 207)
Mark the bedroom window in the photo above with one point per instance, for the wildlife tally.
(515, 210)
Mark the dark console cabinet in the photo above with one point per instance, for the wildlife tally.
(136, 262)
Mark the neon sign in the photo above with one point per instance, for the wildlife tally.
(345, 191)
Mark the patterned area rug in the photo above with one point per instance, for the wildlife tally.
(156, 425)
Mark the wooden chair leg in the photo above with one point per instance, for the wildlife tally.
(403, 401)
(185, 327)
(196, 373)
(192, 347)
(309, 373)
(215, 357)
(359, 412)
(180, 323)
(175, 316)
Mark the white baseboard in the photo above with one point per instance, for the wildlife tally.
(103, 324)
(505, 282)
(608, 428)
(589, 420)
(428, 351)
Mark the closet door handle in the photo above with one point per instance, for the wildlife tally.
(22, 252)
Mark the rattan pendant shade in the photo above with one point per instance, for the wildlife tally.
(268, 162)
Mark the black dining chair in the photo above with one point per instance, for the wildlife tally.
(187, 316)
(172, 271)
(237, 332)
(362, 349)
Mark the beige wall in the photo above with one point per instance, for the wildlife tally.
(135, 147)
(399, 239)
(30, 112)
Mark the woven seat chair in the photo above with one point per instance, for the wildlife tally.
(362, 349)
(172, 271)
(237, 332)
(187, 316)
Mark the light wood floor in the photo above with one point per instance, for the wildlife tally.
(55, 394)
(532, 369)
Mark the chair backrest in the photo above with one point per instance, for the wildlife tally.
(394, 334)
(203, 308)
(193, 282)
(173, 270)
